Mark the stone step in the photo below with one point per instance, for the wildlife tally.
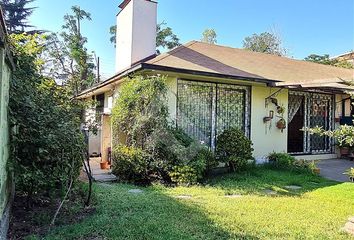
(105, 177)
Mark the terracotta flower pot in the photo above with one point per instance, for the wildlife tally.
(281, 124)
(104, 165)
(344, 151)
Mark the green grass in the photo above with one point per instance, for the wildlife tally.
(317, 211)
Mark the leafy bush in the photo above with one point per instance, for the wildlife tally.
(141, 114)
(47, 145)
(193, 171)
(184, 175)
(286, 161)
(281, 160)
(234, 148)
(130, 163)
(344, 134)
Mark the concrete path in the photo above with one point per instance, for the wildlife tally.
(333, 169)
(101, 175)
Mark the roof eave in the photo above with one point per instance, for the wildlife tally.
(153, 67)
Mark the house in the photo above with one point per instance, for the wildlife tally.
(6, 183)
(349, 57)
(213, 87)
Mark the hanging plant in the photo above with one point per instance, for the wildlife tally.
(280, 110)
(281, 124)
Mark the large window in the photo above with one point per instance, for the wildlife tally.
(205, 110)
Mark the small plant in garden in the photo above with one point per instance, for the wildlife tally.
(350, 173)
(286, 161)
(234, 148)
(281, 160)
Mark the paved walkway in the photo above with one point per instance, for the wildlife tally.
(333, 169)
(101, 175)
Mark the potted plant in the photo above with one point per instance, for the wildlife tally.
(280, 110)
(281, 124)
(104, 164)
(344, 151)
(344, 136)
(350, 173)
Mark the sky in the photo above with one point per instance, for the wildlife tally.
(305, 26)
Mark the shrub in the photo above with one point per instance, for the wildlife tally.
(286, 161)
(305, 165)
(184, 175)
(234, 148)
(193, 171)
(141, 115)
(130, 163)
(281, 160)
(47, 144)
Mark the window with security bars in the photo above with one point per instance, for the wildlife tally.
(205, 110)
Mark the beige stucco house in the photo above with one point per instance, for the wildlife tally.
(214, 87)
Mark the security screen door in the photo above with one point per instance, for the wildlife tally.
(205, 110)
(309, 110)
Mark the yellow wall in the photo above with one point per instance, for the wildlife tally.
(106, 136)
(265, 140)
(267, 137)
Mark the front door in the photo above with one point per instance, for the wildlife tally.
(309, 110)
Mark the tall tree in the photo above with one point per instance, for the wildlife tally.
(324, 59)
(16, 14)
(165, 38)
(209, 36)
(69, 60)
(265, 43)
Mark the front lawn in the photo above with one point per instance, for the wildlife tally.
(316, 211)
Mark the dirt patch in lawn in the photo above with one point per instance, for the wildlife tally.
(35, 219)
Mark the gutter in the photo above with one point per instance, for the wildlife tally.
(153, 67)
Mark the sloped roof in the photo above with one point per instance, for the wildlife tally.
(205, 57)
(210, 60)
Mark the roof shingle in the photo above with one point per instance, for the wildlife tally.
(205, 57)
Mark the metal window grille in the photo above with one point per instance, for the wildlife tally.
(318, 111)
(205, 110)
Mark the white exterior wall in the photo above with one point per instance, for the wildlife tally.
(136, 33)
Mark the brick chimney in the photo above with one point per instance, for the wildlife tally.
(136, 32)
